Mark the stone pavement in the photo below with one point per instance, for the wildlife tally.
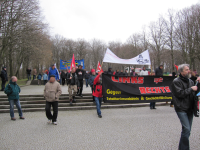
(120, 129)
(35, 89)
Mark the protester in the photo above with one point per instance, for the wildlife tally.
(159, 71)
(66, 74)
(28, 72)
(133, 72)
(45, 78)
(91, 81)
(12, 90)
(72, 85)
(121, 73)
(97, 93)
(87, 76)
(184, 94)
(144, 72)
(193, 76)
(34, 74)
(39, 77)
(52, 91)
(117, 74)
(173, 73)
(126, 73)
(53, 71)
(63, 77)
(81, 74)
(110, 72)
(4, 78)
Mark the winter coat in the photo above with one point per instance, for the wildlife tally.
(80, 73)
(159, 72)
(52, 91)
(109, 71)
(62, 74)
(39, 77)
(91, 80)
(74, 80)
(4, 76)
(54, 72)
(121, 74)
(12, 90)
(144, 73)
(45, 76)
(28, 71)
(183, 95)
(97, 92)
(87, 76)
(133, 74)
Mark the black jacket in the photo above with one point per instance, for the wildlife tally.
(159, 72)
(28, 71)
(183, 95)
(121, 74)
(80, 73)
(62, 74)
(133, 74)
(74, 80)
(87, 75)
(4, 76)
(109, 71)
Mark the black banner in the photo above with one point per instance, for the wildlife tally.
(141, 89)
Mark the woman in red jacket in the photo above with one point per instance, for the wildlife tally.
(97, 93)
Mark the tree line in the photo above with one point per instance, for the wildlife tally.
(25, 41)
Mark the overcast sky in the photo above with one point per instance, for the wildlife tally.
(107, 20)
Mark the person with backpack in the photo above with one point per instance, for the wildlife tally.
(45, 78)
(12, 90)
(4, 78)
(97, 93)
(91, 80)
(39, 77)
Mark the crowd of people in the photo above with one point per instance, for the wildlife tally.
(184, 90)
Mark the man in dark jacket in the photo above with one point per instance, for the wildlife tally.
(121, 73)
(158, 72)
(72, 85)
(133, 72)
(81, 74)
(63, 77)
(87, 76)
(28, 72)
(4, 78)
(183, 92)
(110, 72)
(12, 90)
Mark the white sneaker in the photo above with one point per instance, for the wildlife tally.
(55, 123)
(49, 121)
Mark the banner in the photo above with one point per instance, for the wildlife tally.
(141, 89)
(66, 64)
(141, 59)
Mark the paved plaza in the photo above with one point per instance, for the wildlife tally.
(120, 129)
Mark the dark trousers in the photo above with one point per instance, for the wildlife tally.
(45, 81)
(55, 110)
(80, 90)
(92, 93)
(152, 104)
(63, 81)
(3, 85)
(34, 77)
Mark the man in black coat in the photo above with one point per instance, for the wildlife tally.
(4, 78)
(81, 74)
(28, 72)
(63, 76)
(184, 96)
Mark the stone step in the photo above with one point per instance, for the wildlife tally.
(70, 108)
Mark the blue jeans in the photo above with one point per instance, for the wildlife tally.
(29, 76)
(186, 122)
(17, 103)
(98, 101)
(86, 82)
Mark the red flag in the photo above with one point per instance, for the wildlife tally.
(72, 63)
(98, 66)
(176, 66)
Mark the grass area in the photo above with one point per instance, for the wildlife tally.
(21, 82)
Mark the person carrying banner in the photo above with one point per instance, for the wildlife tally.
(110, 72)
(81, 74)
(184, 96)
(72, 85)
(97, 93)
(133, 72)
(144, 72)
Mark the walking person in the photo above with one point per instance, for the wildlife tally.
(63, 77)
(87, 76)
(34, 74)
(72, 85)
(91, 81)
(53, 71)
(39, 77)
(52, 91)
(184, 95)
(81, 74)
(4, 78)
(45, 78)
(97, 93)
(28, 71)
(12, 90)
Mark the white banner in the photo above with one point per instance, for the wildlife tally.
(141, 59)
